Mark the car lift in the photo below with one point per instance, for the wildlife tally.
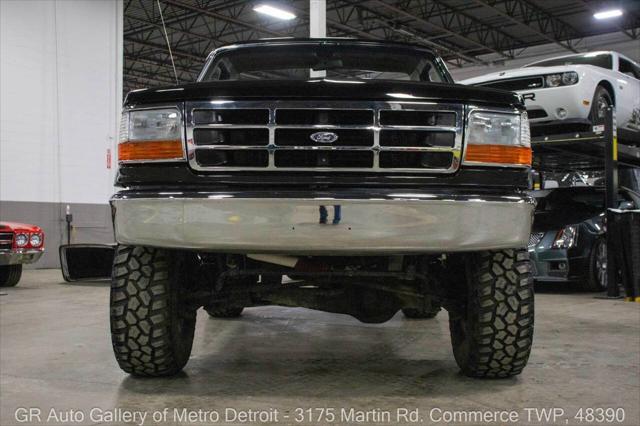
(591, 151)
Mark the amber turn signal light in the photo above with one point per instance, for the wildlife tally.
(150, 150)
(499, 154)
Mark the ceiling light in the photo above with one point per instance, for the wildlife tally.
(606, 14)
(274, 12)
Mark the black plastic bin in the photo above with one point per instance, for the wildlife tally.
(83, 262)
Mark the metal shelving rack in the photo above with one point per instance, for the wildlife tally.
(590, 151)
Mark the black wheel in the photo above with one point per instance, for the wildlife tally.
(601, 101)
(414, 313)
(151, 325)
(225, 313)
(10, 275)
(597, 279)
(493, 333)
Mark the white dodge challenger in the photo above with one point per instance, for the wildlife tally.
(571, 93)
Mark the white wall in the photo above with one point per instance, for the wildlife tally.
(60, 100)
(60, 96)
(615, 41)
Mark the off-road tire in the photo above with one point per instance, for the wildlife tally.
(225, 313)
(414, 313)
(493, 333)
(592, 281)
(10, 275)
(151, 327)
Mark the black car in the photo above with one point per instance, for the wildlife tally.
(578, 253)
(575, 253)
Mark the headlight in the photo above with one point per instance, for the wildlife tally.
(491, 128)
(569, 78)
(564, 79)
(157, 125)
(21, 240)
(151, 135)
(495, 138)
(35, 240)
(553, 80)
(566, 238)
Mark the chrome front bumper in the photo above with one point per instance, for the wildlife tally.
(19, 257)
(371, 222)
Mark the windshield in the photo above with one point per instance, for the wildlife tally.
(329, 60)
(602, 60)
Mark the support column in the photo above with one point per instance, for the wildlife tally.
(317, 18)
(611, 199)
(317, 27)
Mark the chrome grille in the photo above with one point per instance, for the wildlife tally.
(366, 136)
(535, 238)
(6, 238)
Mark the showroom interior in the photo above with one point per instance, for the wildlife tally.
(319, 212)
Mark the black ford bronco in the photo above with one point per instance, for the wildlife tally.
(347, 176)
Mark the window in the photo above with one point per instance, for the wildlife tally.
(628, 68)
(300, 61)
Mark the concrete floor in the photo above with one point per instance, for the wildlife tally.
(55, 352)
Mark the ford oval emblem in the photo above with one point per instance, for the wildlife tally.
(324, 137)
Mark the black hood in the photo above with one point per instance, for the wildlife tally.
(380, 90)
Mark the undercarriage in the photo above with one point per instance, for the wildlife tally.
(371, 289)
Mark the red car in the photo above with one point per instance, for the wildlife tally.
(19, 244)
